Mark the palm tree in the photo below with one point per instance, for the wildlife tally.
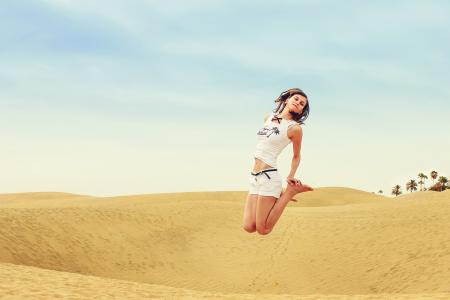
(411, 185)
(422, 176)
(433, 175)
(274, 130)
(396, 190)
(421, 183)
(443, 181)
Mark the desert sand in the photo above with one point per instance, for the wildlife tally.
(333, 243)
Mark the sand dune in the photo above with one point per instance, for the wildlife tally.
(331, 196)
(333, 241)
(25, 282)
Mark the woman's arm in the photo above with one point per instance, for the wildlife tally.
(295, 134)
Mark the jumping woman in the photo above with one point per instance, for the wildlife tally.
(266, 200)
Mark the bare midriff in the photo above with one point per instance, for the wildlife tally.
(260, 165)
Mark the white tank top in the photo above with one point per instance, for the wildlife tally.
(272, 139)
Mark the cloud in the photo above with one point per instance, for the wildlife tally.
(198, 76)
(32, 30)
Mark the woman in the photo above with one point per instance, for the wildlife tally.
(266, 200)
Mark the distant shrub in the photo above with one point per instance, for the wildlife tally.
(438, 187)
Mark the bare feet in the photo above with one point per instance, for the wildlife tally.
(302, 188)
(299, 188)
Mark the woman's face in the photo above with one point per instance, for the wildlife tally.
(296, 103)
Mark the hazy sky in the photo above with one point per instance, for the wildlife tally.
(130, 97)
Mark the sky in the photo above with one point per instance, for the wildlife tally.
(113, 98)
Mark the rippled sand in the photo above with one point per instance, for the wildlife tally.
(334, 243)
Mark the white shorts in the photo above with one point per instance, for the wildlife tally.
(267, 182)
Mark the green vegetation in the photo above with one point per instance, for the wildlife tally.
(411, 185)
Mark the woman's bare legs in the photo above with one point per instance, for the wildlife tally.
(249, 223)
(269, 209)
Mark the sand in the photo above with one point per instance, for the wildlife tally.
(334, 243)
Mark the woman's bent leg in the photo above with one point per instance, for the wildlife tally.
(249, 223)
(263, 208)
(264, 225)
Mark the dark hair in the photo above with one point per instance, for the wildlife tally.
(281, 100)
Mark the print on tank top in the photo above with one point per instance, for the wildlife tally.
(268, 131)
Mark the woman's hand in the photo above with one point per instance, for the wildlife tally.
(293, 181)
